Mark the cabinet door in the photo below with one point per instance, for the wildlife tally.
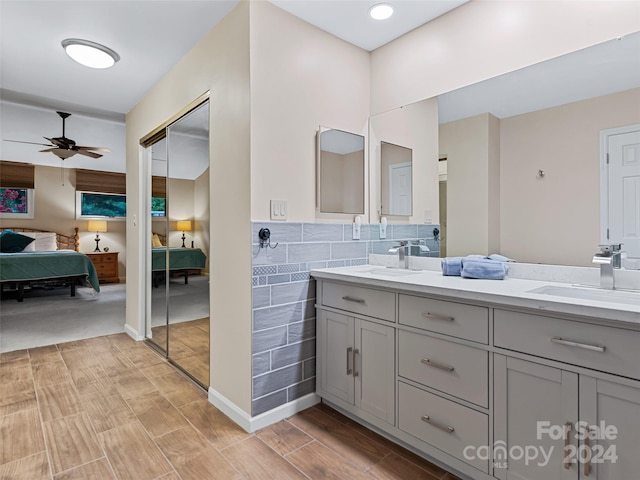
(335, 349)
(527, 394)
(608, 406)
(374, 369)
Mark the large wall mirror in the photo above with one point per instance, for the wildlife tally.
(178, 319)
(341, 172)
(522, 151)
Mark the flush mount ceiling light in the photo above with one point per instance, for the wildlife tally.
(90, 54)
(382, 11)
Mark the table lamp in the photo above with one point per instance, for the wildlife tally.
(184, 225)
(97, 226)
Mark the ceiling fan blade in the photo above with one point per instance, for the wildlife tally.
(87, 153)
(97, 149)
(30, 143)
(56, 142)
(49, 149)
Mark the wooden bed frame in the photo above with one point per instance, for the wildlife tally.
(65, 242)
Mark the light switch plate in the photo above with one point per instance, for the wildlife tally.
(278, 209)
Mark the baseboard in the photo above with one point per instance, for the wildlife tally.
(251, 424)
(132, 333)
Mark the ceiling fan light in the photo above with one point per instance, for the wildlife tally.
(382, 11)
(90, 54)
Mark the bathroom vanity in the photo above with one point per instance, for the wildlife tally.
(495, 379)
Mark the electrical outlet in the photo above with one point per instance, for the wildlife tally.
(278, 209)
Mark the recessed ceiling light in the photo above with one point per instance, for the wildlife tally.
(90, 54)
(382, 11)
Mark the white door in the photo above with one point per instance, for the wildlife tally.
(400, 189)
(623, 189)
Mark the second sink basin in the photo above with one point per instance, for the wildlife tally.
(601, 295)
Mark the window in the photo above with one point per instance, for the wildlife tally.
(92, 205)
(16, 203)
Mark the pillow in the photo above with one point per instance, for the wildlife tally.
(155, 241)
(44, 242)
(12, 242)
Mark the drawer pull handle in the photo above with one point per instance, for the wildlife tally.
(435, 316)
(431, 363)
(446, 428)
(567, 444)
(352, 299)
(355, 353)
(349, 370)
(586, 346)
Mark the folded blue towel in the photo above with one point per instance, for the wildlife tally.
(451, 266)
(499, 258)
(484, 268)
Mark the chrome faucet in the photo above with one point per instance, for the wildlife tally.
(609, 259)
(403, 253)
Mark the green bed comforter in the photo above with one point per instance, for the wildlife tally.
(179, 258)
(16, 267)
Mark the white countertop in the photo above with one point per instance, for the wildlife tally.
(508, 292)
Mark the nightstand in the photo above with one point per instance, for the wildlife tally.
(106, 265)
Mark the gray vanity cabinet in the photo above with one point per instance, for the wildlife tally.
(356, 359)
(527, 393)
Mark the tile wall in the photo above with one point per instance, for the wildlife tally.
(284, 326)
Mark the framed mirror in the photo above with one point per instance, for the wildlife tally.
(396, 174)
(341, 172)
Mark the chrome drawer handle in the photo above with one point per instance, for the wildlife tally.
(352, 299)
(349, 370)
(446, 428)
(586, 346)
(431, 363)
(434, 316)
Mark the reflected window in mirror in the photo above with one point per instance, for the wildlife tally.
(341, 172)
(396, 175)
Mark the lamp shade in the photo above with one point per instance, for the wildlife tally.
(184, 225)
(97, 226)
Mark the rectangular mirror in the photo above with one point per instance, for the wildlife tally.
(395, 174)
(341, 172)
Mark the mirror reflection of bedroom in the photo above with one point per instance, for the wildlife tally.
(178, 290)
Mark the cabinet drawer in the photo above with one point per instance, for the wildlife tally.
(430, 418)
(449, 318)
(365, 301)
(106, 269)
(609, 349)
(446, 366)
(107, 258)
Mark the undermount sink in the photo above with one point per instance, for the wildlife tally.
(392, 272)
(596, 294)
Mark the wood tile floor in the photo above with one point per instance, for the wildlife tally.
(110, 408)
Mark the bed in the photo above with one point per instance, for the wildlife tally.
(64, 266)
(181, 261)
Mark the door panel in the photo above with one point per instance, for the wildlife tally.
(336, 333)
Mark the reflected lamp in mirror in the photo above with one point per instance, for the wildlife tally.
(185, 226)
(97, 226)
(341, 172)
(396, 179)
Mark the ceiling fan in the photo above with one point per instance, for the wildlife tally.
(64, 147)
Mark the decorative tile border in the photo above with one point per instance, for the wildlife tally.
(284, 324)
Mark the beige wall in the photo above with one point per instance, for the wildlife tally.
(564, 206)
(471, 146)
(218, 63)
(301, 78)
(416, 127)
(55, 211)
(485, 38)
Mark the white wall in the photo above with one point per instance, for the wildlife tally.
(482, 39)
(218, 63)
(301, 78)
(557, 219)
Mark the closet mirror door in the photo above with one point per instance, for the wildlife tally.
(157, 316)
(188, 242)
